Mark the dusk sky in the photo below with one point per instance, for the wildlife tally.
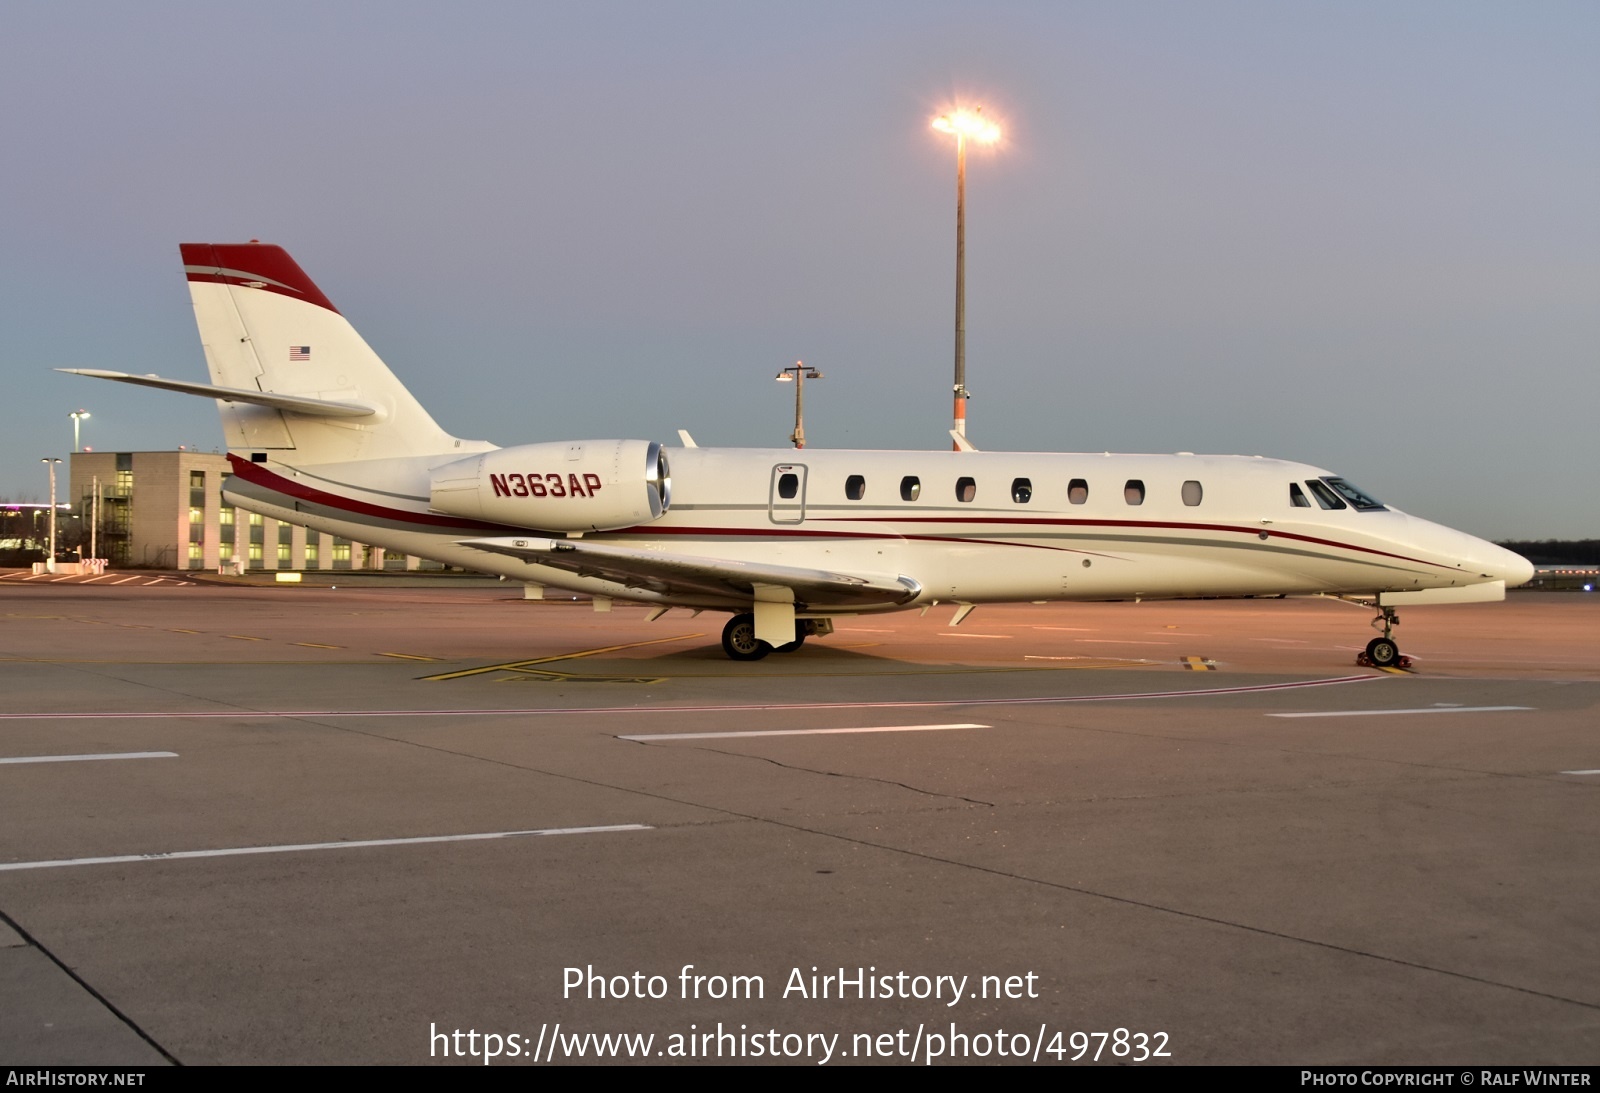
(1362, 235)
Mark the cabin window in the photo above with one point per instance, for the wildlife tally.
(1078, 491)
(788, 485)
(1192, 492)
(1021, 490)
(1133, 492)
(966, 489)
(1325, 497)
(910, 487)
(1297, 496)
(1361, 502)
(855, 487)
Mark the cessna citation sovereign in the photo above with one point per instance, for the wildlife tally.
(321, 433)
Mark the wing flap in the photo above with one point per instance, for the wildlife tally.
(296, 404)
(658, 571)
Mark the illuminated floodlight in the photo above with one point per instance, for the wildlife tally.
(968, 125)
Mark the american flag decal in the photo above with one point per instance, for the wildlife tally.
(299, 352)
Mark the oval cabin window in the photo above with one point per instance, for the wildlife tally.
(1192, 493)
(788, 485)
(910, 487)
(1078, 491)
(1133, 492)
(855, 487)
(966, 489)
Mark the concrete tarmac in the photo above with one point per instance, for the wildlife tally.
(314, 825)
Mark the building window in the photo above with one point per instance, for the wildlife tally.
(1192, 493)
(255, 554)
(855, 487)
(225, 516)
(1078, 491)
(966, 489)
(311, 550)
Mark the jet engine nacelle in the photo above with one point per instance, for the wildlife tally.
(583, 485)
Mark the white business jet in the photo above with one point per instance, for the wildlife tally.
(321, 433)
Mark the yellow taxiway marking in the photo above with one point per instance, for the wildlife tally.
(176, 630)
(243, 637)
(1396, 671)
(1199, 664)
(315, 645)
(523, 665)
(407, 656)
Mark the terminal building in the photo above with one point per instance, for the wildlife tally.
(164, 510)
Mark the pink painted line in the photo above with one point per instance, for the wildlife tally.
(635, 711)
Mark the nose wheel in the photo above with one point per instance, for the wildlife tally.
(1384, 652)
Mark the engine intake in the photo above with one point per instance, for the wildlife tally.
(584, 485)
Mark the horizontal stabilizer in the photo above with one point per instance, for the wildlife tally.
(683, 574)
(296, 404)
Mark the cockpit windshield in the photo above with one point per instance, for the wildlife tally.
(1359, 501)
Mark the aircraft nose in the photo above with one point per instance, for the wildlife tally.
(1512, 566)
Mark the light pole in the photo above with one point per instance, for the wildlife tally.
(50, 563)
(965, 125)
(802, 372)
(77, 417)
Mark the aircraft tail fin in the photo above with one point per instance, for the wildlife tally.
(267, 327)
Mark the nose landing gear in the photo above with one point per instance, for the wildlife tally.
(1384, 652)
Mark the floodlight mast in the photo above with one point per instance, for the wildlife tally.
(964, 125)
(802, 372)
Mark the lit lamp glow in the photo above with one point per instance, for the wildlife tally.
(77, 417)
(964, 125)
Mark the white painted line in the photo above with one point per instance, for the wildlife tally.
(85, 758)
(794, 732)
(1074, 629)
(1381, 713)
(1581, 772)
(1120, 641)
(237, 851)
(953, 634)
(641, 711)
(125, 580)
(102, 577)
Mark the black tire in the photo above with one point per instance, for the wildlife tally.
(1383, 652)
(739, 639)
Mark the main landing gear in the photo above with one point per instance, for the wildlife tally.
(1384, 652)
(739, 639)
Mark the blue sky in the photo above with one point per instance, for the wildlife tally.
(1365, 235)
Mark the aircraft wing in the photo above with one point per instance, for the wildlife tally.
(299, 404)
(687, 574)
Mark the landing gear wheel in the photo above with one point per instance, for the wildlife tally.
(739, 639)
(1383, 652)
